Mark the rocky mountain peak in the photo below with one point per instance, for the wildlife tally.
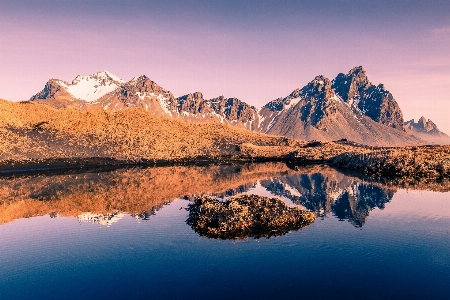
(193, 103)
(422, 125)
(85, 88)
(320, 86)
(358, 73)
(422, 121)
(347, 86)
(235, 110)
(374, 101)
(142, 85)
(52, 89)
(427, 130)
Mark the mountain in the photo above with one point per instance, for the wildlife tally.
(140, 91)
(104, 90)
(376, 102)
(349, 107)
(318, 112)
(83, 89)
(427, 131)
(194, 108)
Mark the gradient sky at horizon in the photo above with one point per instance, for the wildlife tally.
(253, 50)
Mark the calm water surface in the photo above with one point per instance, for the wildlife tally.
(122, 235)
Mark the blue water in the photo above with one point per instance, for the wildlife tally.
(402, 251)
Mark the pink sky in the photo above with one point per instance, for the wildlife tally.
(254, 52)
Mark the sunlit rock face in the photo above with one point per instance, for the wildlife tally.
(374, 101)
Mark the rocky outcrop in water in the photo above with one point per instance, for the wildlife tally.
(245, 216)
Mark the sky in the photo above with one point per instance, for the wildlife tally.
(256, 51)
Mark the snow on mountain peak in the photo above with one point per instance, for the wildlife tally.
(92, 87)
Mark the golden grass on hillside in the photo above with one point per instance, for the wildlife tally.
(37, 131)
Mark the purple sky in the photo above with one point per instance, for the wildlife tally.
(253, 50)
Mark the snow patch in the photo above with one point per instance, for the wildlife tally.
(92, 87)
(292, 102)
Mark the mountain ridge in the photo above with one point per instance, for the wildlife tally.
(427, 130)
(349, 107)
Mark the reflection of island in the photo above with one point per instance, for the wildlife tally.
(142, 192)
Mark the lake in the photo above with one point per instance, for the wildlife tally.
(122, 234)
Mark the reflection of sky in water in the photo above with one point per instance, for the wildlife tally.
(400, 252)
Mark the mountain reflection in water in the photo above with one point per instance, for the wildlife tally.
(331, 192)
(103, 197)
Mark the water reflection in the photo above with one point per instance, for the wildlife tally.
(329, 191)
(103, 197)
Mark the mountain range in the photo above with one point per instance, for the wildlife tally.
(427, 130)
(347, 107)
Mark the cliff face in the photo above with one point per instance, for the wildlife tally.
(142, 92)
(376, 102)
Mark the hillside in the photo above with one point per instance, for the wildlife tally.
(36, 131)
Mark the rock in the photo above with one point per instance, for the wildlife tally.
(245, 216)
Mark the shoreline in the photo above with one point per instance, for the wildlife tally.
(11, 167)
(370, 164)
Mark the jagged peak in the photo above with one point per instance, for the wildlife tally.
(320, 84)
(195, 95)
(422, 119)
(320, 79)
(423, 124)
(138, 78)
(57, 81)
(356, 70)
(356, 76)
